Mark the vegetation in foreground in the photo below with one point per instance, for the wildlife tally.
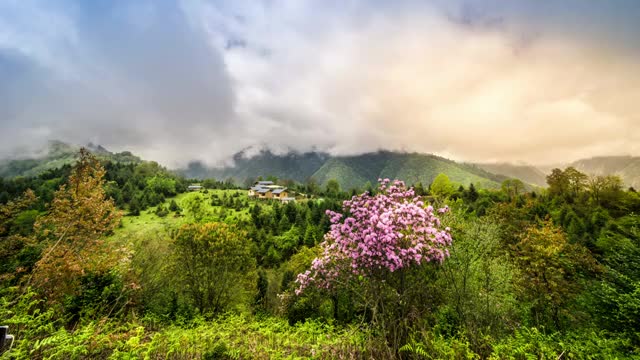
(109, 260)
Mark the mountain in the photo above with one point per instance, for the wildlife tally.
(627, 167)
(527, 173)
(350, 171)
(54, 155)
(294, 166)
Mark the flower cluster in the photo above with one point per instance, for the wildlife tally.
(392, 230)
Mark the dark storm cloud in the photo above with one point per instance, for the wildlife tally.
(125, 74)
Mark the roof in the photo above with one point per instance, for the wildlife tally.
(263, 190)
(264, 183)
(255, 188)
(278, 191)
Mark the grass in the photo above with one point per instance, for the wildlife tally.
(148, 223)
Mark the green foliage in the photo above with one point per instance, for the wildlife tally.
(552, 274)
(173, 206)
(442, 186)
(438, 347)
(215, 265)
(532, 343)
(477, 283)
(550, 267)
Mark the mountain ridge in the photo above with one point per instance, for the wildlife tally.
(55, 155)
(351, 171)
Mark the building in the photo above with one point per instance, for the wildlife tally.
(194, 187)
(280, 193)
(265, 193)
(269, 190)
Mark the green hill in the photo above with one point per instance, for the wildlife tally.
(527, 173)
(55, 155)
(350, 171)
(338, 169)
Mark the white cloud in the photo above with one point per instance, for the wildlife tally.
(346, 77)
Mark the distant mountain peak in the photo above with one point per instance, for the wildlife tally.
(97, 148)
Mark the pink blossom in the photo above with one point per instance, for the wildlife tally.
(391, 230)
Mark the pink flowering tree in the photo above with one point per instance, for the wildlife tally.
(372, 247)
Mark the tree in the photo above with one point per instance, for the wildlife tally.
(196, 207)
(333, 188)
(558, 182)
(74, 228)
(215, 263)
(442, 186)
(135, 207)
(472, 194)
(604, 189)
(128, 191)
(312, 186)
(513, 188)
(162, 185)
(310, 235)
(374, 247)
(576, 180)
(284, 224)
(173, 206)
(549, 266)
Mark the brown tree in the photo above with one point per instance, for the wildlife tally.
(75, 226)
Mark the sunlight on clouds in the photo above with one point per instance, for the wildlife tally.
(421, 82)
(204, 79)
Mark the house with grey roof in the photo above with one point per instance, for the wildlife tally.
(269, 190)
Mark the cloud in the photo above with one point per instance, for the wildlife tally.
(131, 75)
(202, 80)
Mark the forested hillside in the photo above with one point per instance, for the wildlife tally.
(104, 260)
(55, 155)
(527, 173)
(627, 167)
(351, 172)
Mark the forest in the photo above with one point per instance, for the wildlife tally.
(103, 259)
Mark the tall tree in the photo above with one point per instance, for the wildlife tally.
(74, 227)
(513, 188)
(558, 182)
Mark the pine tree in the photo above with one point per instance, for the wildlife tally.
(173, 206)
(284, 225)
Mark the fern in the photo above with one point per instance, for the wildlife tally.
(415, 348)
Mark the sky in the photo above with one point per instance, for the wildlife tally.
(175, 81)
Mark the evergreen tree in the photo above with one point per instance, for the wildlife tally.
(284, 224)
(472, 193)
(135, 207)
(310, 235)
(173, 206)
